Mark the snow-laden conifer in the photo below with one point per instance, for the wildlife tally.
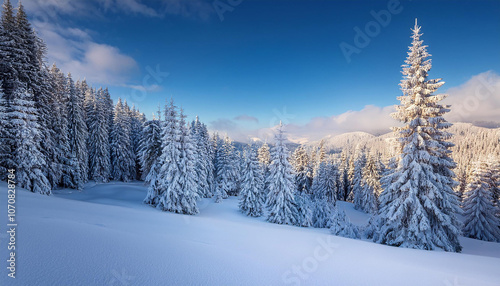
(121, 145)
(340, 225)
(418, 209)
(20, 116)
(303, 170)
(479, 209)
(371, 188)
(357, 180)
(280, 200)
(77, 134)
(251, 195)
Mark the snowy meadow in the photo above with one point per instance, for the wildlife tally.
(94, 192)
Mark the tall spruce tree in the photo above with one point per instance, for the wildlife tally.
(20, 116)
(303, 170)
(77, 134)
(357, 179)
(371, 188)
(280, 200)
(63, 164)
(99, 158)
(418, 209)
(121, 145)
(479, 208)
(251, 195)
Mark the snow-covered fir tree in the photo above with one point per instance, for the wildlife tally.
(98, 145)
(325, 182)
(280, 200)
(20, 117)
(187, 176)
(303, 170)
(324, 194)
(251, 194)
(371, 188)
(481, 221)
(203, 158)
(149, 155)
(150, 146)
(62, 163)
(122, 160)
(305, 208)
(265, 160)
(168, 175)
(344, 187)
(77, 133)
(177, 177)
(340, 225)
(418, 209)
(137, 120)
(235, 160)
(357, 179)
(226, 174)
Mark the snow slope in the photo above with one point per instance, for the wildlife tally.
(106, 236)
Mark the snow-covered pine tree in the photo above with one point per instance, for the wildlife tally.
(280, 199)
(251, 195)
(418, 210)
(371, 188)
(357, 180)
(350, 177)
(325, 183)
(303, 172)
(305, 208)
(479, 209)
(137, 119)
(187, 175)
(494, 177)
(324, 194)
(149, 155)
(150, 146)
(340, 225)
(202, 157)
(10, 52)
(210, 154)
(168, 175)
(6, 136)
(99, 158)
(344, 185)
(31, 59)
(176, 178)
(264, 157)
(225, 170)
(63, 164)
(77, 134)
(121, 145)
(234, 170)
(177, 183)
(20, 116)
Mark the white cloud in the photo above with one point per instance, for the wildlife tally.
(476, 101)
(245, 117)
(73, 50)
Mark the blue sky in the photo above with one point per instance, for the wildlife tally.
(266, 60)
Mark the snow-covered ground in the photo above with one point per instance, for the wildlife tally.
(106, 236)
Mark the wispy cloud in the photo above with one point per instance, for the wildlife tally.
(476, 101)
(245, 117)
(74, 50)
(194, 9)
